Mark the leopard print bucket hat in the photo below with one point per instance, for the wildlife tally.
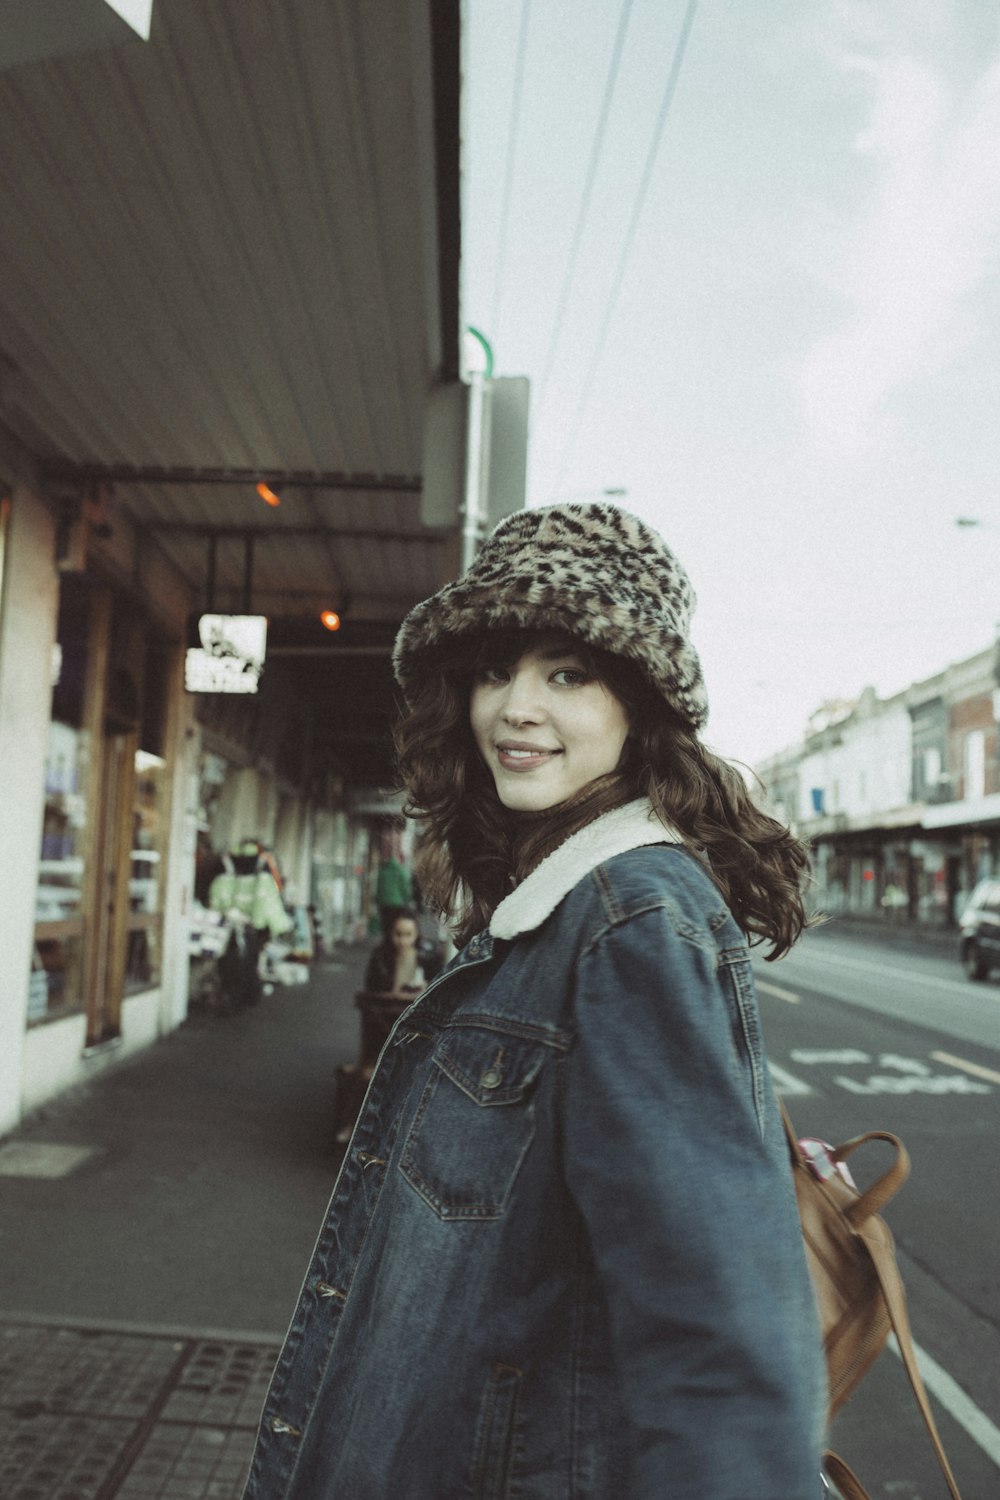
(593, 570)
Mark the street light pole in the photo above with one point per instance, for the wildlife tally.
(477, 450)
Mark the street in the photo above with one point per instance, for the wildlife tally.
(864, 1035)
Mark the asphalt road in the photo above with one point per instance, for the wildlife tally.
(864, 1035)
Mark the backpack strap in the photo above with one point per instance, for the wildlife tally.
(895, 1300)
(874, 1199)
(877, 1239)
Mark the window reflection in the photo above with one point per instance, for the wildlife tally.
(145, 889)
(57, 965)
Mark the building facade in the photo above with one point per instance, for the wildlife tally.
(96, 741)
(213, 399)
(899, 798)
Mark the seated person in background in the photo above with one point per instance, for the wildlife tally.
(403, 963)
(398, 970)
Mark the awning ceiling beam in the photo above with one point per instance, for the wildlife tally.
(279, 531)
(393, 484)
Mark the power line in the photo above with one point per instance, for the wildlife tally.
(515, 122)
(640, 200)
(595, 154)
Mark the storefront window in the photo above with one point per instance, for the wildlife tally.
(56, 983)
(99, 911)
(143, 957)
(145, 887)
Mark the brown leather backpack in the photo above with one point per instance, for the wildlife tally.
(858, 1289)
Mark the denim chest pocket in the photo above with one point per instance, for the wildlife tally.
(474, 1123)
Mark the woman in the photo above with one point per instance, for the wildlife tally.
(398, 969)
(562, 1260)
(402, 963)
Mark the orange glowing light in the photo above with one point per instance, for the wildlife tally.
(330, 619)
(266, 493)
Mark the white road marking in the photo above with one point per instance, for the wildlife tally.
(787, 1083)
(968, 1015)
(904, 1064)
(842, 1055)
(938, 1083)
(774, 989)
(954, 1400)
(968, 1067)
(41, 1159)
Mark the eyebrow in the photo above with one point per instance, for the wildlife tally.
(555, 653)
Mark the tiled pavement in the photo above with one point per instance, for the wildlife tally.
(149, 1220)
(88, 1414)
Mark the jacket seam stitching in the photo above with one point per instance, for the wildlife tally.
(684, 930)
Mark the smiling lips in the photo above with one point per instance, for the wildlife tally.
(516, 756)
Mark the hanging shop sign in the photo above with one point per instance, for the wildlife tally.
(229, 656)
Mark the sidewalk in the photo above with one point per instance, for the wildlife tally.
(155, 1226)
(878, 931)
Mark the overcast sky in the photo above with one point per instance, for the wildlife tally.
(782, 330)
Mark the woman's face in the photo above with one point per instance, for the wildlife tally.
(404, 934)
(545, 726)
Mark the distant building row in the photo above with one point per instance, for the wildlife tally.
(899, 797)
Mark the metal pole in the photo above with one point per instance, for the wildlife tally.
(472, 507)
(475, 509)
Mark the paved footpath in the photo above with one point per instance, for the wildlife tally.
(155, 1225)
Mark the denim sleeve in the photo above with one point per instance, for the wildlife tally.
(676, 1160)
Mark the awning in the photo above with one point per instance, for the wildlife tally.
(231, 253)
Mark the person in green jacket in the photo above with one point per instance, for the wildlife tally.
(393, 889)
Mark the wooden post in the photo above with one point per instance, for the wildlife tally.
(93, 894)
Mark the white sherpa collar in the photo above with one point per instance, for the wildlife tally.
(630, 827)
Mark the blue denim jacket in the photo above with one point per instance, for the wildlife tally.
(562, 1258)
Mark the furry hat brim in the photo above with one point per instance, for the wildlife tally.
(594, 571)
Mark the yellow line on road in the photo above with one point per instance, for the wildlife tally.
(774, 989)
(967, 1067)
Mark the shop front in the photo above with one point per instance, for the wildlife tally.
(341, 878)
(99, 901)
(153, 472)
(319, 854)
(965, 839)
(97, 952)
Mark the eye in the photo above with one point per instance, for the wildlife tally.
(571, 677)
(491, 675)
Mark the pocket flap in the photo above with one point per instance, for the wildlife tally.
(492, 1067)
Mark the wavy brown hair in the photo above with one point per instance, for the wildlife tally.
(473, 850)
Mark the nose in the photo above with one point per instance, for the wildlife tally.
(522, 703)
